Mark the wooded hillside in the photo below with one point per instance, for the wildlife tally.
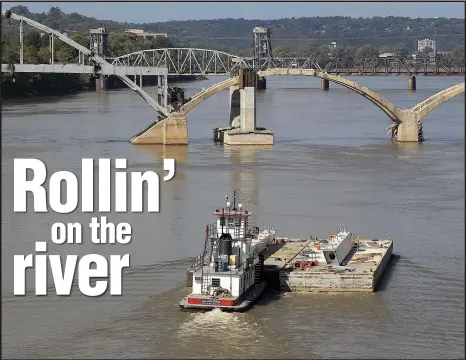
(235, 35)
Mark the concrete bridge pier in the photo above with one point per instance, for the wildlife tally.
(242, 129)
(409, 132)
(101, 83)
(235, 106)
(410, 128)
(412, 82)
(261, 83)
(324, 84)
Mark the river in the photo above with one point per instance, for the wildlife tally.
(332, 164)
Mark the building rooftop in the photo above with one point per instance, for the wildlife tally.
(384, 55)
(141, 32)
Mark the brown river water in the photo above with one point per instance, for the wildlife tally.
(332, 164)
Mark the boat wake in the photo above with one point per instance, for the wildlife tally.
(217, 324)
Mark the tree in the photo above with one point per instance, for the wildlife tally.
(55, 15)
(33, 40)
(80, 39)
(20, 10)
(400, 50)
(458, 52)
(367, 51)
(10, 53)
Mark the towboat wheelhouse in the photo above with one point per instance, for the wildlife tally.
(228, 273)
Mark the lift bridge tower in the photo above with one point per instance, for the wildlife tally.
(262, 53)
(262, 48)
(99, 46)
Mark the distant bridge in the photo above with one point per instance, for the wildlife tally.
(191, 61)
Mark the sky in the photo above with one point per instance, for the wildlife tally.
(144, 12)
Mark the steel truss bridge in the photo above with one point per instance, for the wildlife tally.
(190, 61)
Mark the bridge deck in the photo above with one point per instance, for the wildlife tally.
(58, 68)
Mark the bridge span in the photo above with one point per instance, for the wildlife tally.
(406, 124)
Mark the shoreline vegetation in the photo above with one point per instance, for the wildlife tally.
(31, 85)
(304, 37)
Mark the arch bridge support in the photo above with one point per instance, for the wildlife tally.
(241, 130)
(410, 128)
(406, 123)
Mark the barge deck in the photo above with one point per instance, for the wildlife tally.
(290, 266)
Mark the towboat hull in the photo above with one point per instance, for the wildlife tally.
(192, 302)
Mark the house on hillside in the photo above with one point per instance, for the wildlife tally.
(146, 35)
(387, 55)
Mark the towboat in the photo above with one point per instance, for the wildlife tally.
(228, 275)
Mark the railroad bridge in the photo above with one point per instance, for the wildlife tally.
(247, 74)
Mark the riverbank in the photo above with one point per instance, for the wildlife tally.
(114, 82)
(30, 85)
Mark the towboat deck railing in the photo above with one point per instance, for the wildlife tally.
(238, 233)
(198, 262)
(212, 236)
(201, 261)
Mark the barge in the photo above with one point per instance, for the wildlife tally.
(229, 273)
(340, 263)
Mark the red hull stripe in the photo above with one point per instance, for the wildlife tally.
(204, 301)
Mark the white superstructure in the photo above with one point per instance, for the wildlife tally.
(231, 263)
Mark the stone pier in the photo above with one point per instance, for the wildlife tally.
(235, 106)
(412, 82)
(324, 84)
(410, 127)
(101, 83)
(261, 83)
(409, 131)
